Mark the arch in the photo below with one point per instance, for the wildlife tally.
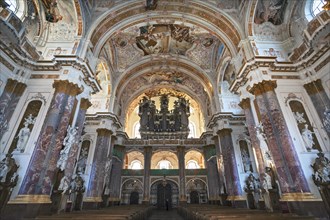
(127, 187)
(198, 185)
(212, 19)
(133, 156)
(164, 155)
(194, 155)
(312, 8)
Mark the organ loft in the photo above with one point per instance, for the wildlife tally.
(170, 124)
(183, 109)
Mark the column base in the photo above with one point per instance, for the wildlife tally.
(214, 202)
(182, 202)
(145, 202)
(92, 203)
(114, 202)
(237, 201)
(306, 208)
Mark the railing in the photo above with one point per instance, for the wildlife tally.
(162, 172)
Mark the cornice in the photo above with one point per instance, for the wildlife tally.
(224, 115)
(276, 67)
(98, 116)
(56, 64)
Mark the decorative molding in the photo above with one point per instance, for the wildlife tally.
(38, 96)
(291, 96)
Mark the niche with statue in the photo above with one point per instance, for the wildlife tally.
(25, 127)
(305, 127)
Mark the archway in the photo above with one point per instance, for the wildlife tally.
(164, 191)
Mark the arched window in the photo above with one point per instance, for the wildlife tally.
(136, 130)
(192, 164)
(12, 5)
(317, 6)
(136, 165)
(313, 7)
(165, 164)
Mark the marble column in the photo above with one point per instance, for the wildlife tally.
(96, 180)
(212, 173)
(84, 105)
(233, 184)
(41, 171)
(319, 98)
(8, 102)
(147, 167)
(182, 168)
(115, 177)
(245, 104)
(290, 175)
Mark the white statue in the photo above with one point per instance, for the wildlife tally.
(69, 140)
(246, 160)
(81, 164)
(267, 182)
(299, 117)
(4, 169)
(307, 136)
(263, 144)
(64, 184)
(24, 133)
(23, 137)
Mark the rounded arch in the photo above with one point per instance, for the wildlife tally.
(164, 156)
(129, 186)
(160, 180)
(194, 155)
(132, 156)
(199, 13)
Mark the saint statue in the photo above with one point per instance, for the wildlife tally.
(321, 169)
(81, 164)
(246, 160)
(4, 169)
(69, 140)
(307, 136)
(24, 133)
(23, 137)
(64, 184)
(263, 144)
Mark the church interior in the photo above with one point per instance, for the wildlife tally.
(122, 109)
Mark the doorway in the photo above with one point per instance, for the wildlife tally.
(194, 198)
(134, 198)
(164, 195)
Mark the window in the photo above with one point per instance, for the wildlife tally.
(317, 6)
(165, 164)
(136, 165)
(313, 7)
(192, 164)
(12, 5)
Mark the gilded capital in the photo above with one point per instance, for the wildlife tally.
(314, 87)
(103, 132)
(85, 104)
(13, 86)
(19, 89)
(10, 86)
(263, 87)
(245, 103)
(64, 86)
